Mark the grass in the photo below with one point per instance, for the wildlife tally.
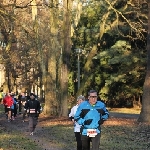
(125, 110)
(14, 140)
(59, 136)
(117, 134)
(124, 138)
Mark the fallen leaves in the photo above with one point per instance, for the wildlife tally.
(57, 134)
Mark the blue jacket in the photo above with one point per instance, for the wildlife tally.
(91, 117)
(14, 102)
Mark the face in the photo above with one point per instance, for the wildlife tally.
(93, 98)
(32, 97)
(80, 101)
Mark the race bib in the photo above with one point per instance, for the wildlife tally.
(32, 111)
(91, 132)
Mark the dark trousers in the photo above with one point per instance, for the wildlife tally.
(15, 110)
(20, 106)
(86, 142)
(32, 123)
(5, 109)
(78, 139)
(24, 115)
(12, 113)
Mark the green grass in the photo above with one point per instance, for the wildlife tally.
(126, 110)
(124, 138)
(115, 136)
(13, 140)
(62, 137)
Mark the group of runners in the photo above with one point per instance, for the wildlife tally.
(13, 105)
(27, 105)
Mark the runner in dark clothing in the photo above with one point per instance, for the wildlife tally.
(32, 107)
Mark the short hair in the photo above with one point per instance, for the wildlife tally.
(81, 97)
(32, 94)
(92, 91)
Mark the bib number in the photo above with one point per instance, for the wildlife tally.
(91, 132)
(32, 111)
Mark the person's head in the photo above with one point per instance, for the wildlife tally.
(8, 94)
(80, 99)
(92, 97)
(12, 95)
(32, 96)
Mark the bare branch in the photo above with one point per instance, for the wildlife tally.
(133, 26)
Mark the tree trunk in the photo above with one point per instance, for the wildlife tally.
(145, 110)
(87, 68)
(65, 57)
(51, 102)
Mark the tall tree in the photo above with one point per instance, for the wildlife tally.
(145, 111)
(66, 46)
(50, 97)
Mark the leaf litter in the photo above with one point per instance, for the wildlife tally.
(52, 133)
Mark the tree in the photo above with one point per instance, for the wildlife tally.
(145, 111)
(118, 21)
(66, 49)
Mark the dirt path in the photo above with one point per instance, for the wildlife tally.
(123, 115)
(39, 136)
(22, 127)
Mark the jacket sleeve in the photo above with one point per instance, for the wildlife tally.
(12, 101)
(71, 115)
(105, 115)
(39, 107)
(4, 101)
(78, 115)
(26, 106)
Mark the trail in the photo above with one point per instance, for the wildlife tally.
(22, 127)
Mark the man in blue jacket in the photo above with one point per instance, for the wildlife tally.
(91, 114)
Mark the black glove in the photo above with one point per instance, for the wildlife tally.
(88, 122)
(100, 121)
(71, 118)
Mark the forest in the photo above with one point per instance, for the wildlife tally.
(62, 49)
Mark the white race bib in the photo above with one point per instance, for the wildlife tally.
(32, 111)
(91, 132)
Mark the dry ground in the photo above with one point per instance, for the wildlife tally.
(120, 132)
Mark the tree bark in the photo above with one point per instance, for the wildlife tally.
(50, 93)
(145, 111)
(66, 57)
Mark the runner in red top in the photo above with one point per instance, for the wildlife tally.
(8, 102)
